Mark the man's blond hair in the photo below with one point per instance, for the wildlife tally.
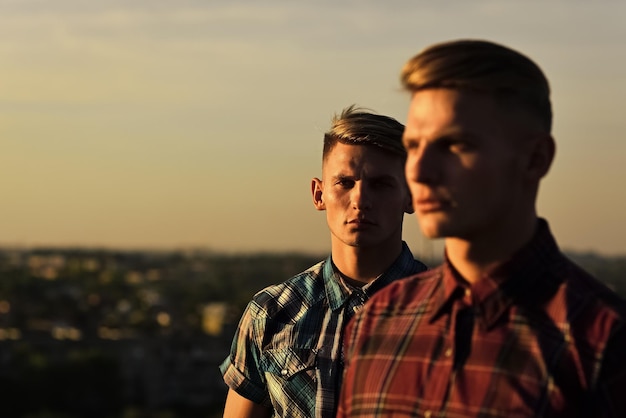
(482, 67)
(357, 126)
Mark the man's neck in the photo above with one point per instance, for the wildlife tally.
(477, 257)
(364, 264)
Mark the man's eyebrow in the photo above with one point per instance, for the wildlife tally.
(373, 177)
(341, 176)
(457, 133)
(382, 176)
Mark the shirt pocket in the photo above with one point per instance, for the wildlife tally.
(289, 361)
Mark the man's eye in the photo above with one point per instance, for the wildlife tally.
(411, 145)
(381, 183)
(345, 183)
(459, 146)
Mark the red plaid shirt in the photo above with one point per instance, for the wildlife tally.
(537, 338)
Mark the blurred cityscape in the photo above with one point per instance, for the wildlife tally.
(94, 333)
(103, 333)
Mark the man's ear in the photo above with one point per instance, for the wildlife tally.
(541, 156)
(317, 188)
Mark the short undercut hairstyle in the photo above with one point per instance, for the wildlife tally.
(482, 67)
(356, 126)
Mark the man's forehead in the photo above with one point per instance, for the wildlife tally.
(365, 170)
(348, 153)
(452, 110)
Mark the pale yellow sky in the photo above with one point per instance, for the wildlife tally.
(199, 124)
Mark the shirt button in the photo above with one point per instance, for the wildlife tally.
(284, 372)
(468, 292)
(448, 352)
(428, 414)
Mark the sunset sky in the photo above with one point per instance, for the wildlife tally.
(199, 123)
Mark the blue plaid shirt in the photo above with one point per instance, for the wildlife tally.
(287, 351)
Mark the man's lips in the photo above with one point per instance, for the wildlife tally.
(431, 204)
(360, 222)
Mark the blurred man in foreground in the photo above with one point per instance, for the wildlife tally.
(507, 326)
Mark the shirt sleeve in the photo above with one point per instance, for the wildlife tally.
(242, 370)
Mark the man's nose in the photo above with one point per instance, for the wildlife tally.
(423, 166)
(361, 196)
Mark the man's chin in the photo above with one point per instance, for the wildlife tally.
(433, 230)
(362, 242)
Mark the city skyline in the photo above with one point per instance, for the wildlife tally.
(199, 124)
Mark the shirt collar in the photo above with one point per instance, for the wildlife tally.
(337, 292)
(521, 279)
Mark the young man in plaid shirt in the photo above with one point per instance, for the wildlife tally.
(507, 326)
(285, 359)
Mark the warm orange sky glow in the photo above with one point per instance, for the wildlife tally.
(193, 123)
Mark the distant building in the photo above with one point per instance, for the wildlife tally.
(213, 316)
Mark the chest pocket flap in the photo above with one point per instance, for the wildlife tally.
(286, 362)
